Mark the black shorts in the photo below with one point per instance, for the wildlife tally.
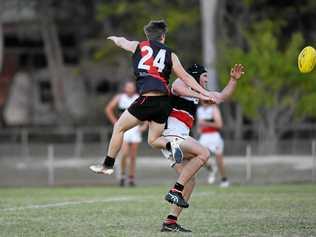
(151, 108)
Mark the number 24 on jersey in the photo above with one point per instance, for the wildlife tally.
(159, 61)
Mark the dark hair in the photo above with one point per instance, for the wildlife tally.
(196, 70)
(154, 30)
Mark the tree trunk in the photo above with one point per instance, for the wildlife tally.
(208, 10)
(233, 118)
(238, 128)
(268, 138)
(54, 58)
(1, 44)
(229, 120)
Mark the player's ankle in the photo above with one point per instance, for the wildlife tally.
(178, 187)
(171, 219)
(109, 162)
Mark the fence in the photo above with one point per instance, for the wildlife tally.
(61, 157)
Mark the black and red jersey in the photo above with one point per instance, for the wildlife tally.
(184, 109)
(152, 66)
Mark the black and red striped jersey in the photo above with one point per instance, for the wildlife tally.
(152, 66)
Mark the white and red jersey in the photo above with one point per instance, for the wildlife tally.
(206, 113)
(181, 118)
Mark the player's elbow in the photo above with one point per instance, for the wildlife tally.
(220, 98)
(107, 111)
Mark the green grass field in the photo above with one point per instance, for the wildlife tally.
(278, 210)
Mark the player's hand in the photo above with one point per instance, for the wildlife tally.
(214, 97)
(203, 97)
(206, 99)
(113, 38)
(237, 71)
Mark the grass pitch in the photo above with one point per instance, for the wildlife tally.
(278, 210)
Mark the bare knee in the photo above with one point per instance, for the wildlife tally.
(204, 156)
(151, 141)
(156, 142)
(118, 127)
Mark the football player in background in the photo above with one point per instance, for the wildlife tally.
(209, 121)
(132, 137)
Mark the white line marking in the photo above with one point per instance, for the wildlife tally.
(70, 203)
(74, 203)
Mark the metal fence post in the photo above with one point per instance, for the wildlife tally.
(50, 165)
(314, 160)
(103, 141)
(79, 141)
(25, 144)
(248, 163)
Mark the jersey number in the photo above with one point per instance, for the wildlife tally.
(158, 62)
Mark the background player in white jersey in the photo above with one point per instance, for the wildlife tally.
(132, 137)
(209, 123)
(179, 123)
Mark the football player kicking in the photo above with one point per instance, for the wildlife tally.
(153, 62)
(179, 123)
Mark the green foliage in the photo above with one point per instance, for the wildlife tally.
(272, 79)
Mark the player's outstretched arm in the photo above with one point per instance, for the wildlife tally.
(189, 80)
(181, 89)
(124, 43)
(235, 74)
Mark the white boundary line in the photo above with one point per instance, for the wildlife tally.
(74, 203)
(69, 203)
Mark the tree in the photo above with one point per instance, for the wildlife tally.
(273, 94)
(1, 43)
(232, 18)
(53, 54)
(54, 17)
(236, 17)
(208, 11)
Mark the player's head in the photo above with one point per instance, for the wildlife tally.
(129, 88)
(199, 73)
(156, 30)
